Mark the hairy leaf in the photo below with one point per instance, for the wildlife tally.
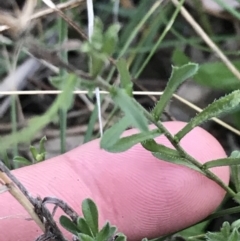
(69, 225)
(132, 111)
(126, 143)
(219, 107)
(178, 76)
(90, 212)
(125, 76)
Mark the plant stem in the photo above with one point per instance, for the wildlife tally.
(63, 31)
(191, 159)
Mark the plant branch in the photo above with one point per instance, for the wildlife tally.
(19, 194)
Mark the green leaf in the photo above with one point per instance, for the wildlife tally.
(121, 237)
(131, 110)
(97, 63)
(126, 143)
(234, 236)
(34, 152)
(178, 76)
(22, 160)
(68, 101)
(235, 224)
(219, 107)
(40, 157)
(85, 237)
(97, 36)
(110, 39)
(112, 135)
(223, 235)
(229, 161)
(167, 154)
(106, 232)
(235, 171)
(176, 160)
(83, 226)
(125, 76)
(90, 213)
(42, 145)
(215, 75)
(237, 198)
(179, 58)
(91, 123)
(69, 225)
(38, 123)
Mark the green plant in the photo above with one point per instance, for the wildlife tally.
(100, 50)
(86, 228)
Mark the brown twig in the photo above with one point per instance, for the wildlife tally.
(17, 190)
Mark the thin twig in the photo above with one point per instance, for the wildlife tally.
(17, 190)
(45, 12)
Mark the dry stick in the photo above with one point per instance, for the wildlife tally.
(34, 206)
(207, 40)
(44, 12)
(19, 195)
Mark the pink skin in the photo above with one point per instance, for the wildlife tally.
(143, 196)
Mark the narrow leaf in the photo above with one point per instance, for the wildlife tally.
(69, 225)
(90, 213)
(42, 145)
(110, 39)
(34, 152)
(235, 171)
(178, 76)
(21, 160)
(126, 143)
(105, 233)
(237, 198)
(176, 160)
(85, 237)
(167, 154)
(125, 76)
(112, 135)
(132, 111)
(83, 226)
(219, 107)
(229, 161)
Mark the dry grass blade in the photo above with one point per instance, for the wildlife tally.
(44, 12)
(207, 40)
(21, 198)
(19, 23)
